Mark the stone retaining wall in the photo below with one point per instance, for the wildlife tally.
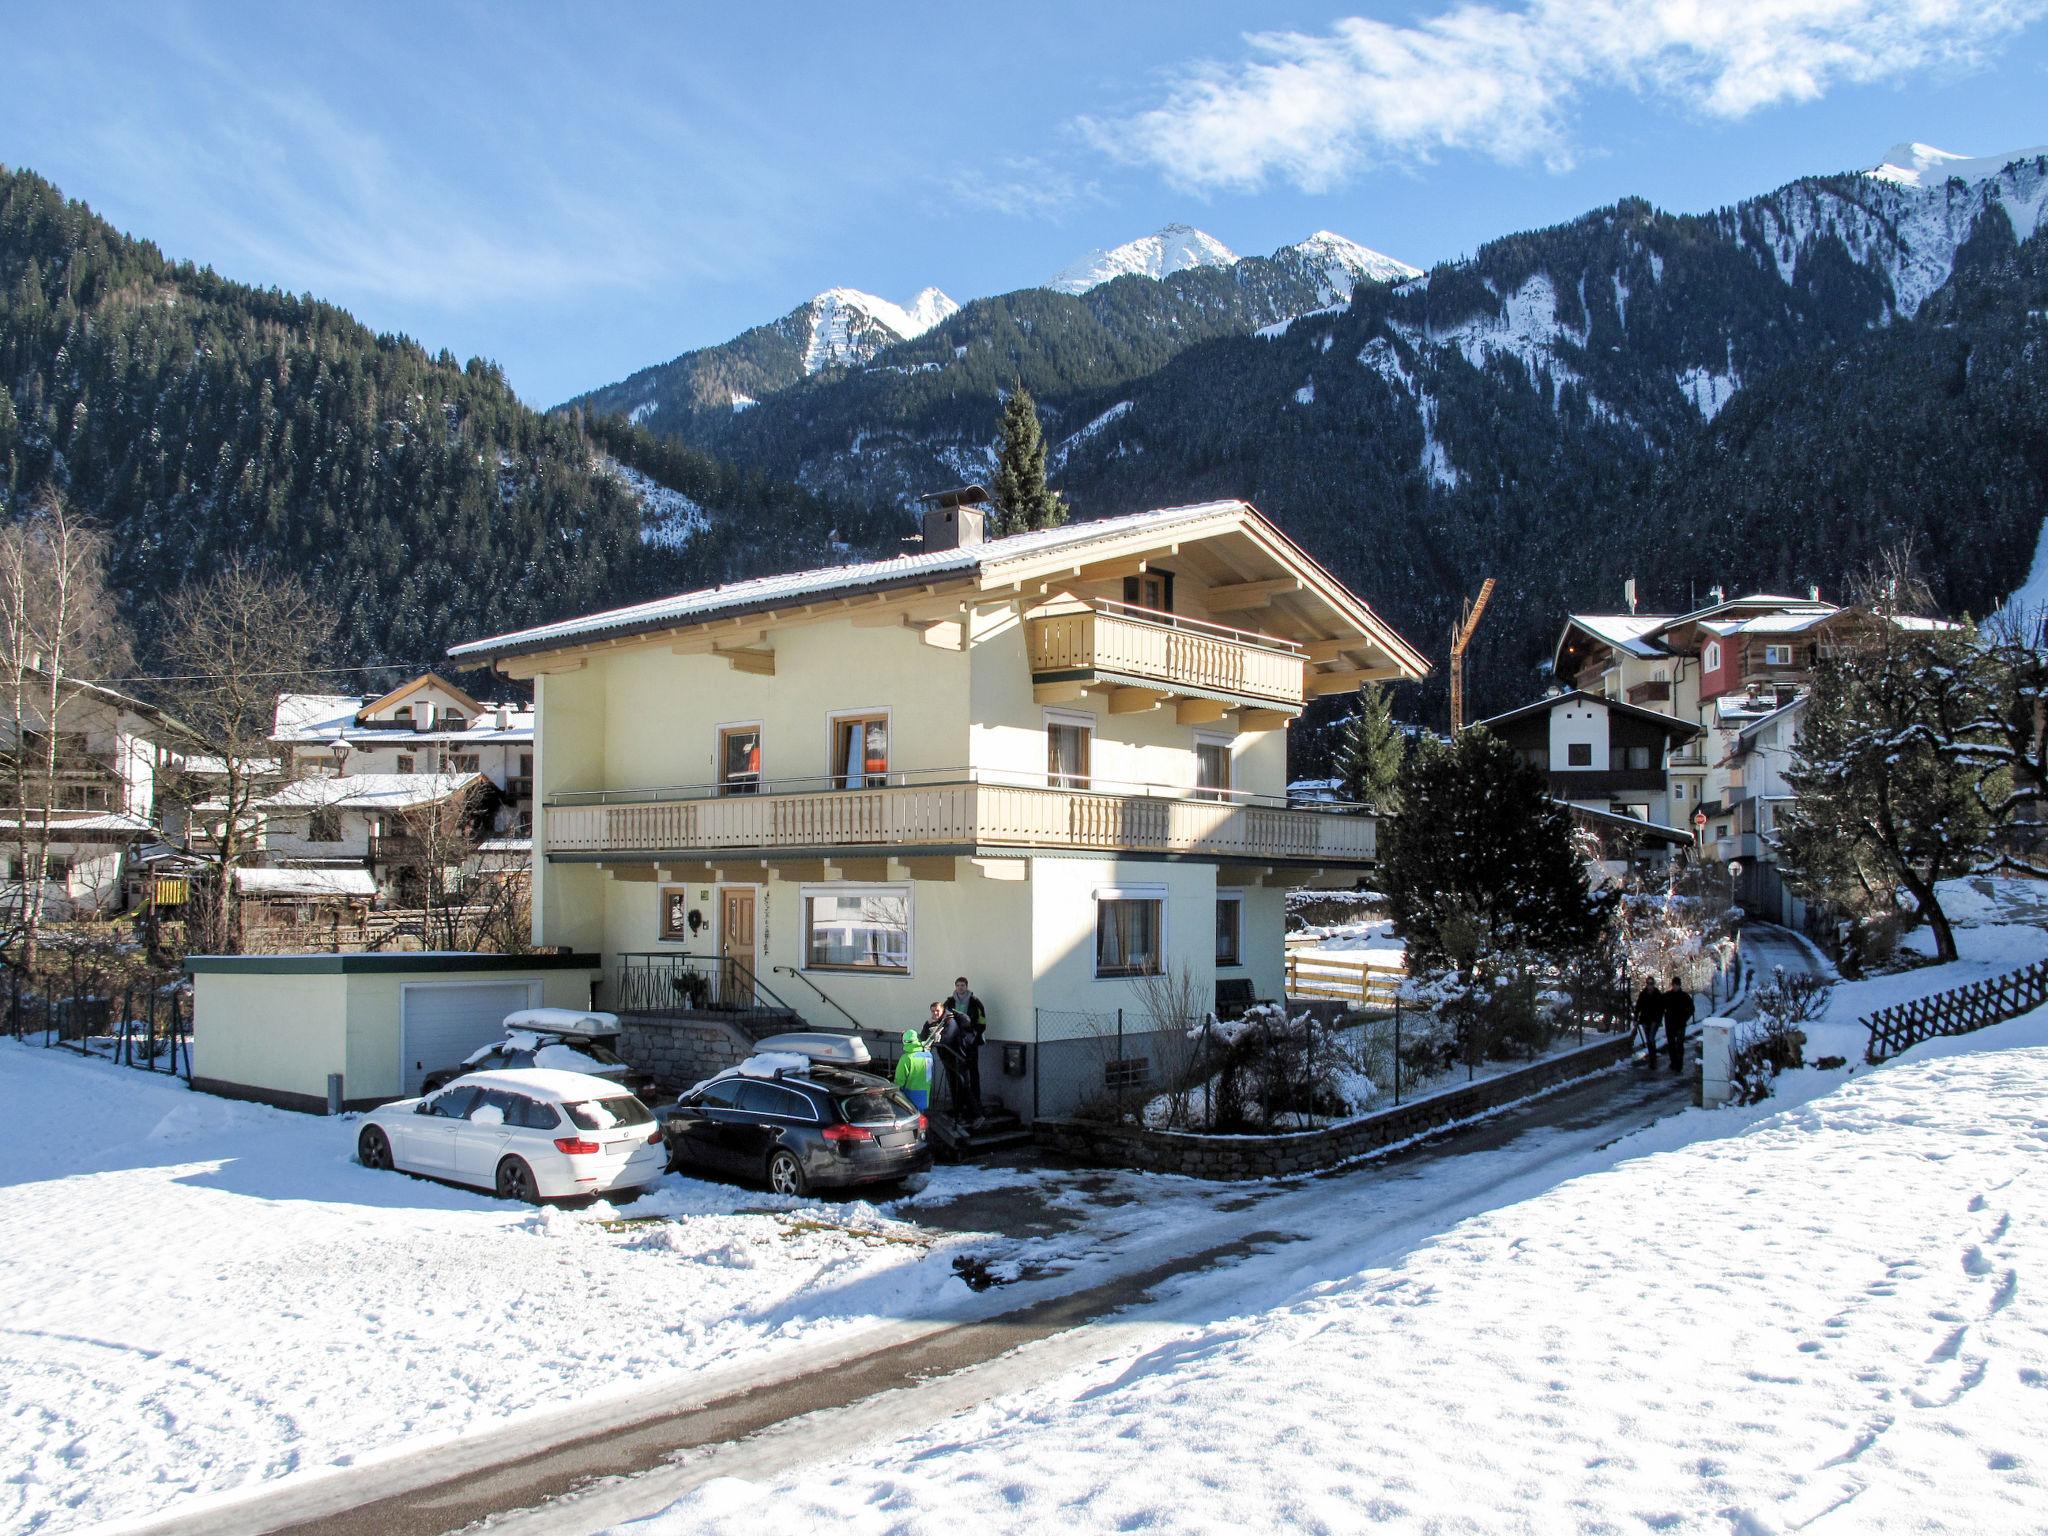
(680, 1051)
(1271, 1156)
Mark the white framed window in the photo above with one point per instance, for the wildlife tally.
(1130, 932)
(1710, 659)
(1678, 790)
(1229, 928)
(1777, 655)
(860, 749)
(1069, 747)
(1212, 766)
(860, 928)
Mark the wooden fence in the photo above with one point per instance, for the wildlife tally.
(1361, 982)
(1957, 1011)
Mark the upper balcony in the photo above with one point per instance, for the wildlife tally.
(952, 812)
(1150, 655)
(1656, 690)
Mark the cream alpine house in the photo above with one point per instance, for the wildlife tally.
(1054, 762)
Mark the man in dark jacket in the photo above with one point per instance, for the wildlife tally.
(1650, 1018)
(1677, 1016)
(968, 1006)
(952, 1048)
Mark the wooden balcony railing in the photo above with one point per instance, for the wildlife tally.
(1165, 649)
(959, 815)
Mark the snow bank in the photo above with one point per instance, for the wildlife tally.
(199, 1294)
(1828, 1321)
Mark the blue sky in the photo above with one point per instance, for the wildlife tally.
(578, 191)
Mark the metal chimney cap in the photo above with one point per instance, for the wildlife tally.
(959, 496)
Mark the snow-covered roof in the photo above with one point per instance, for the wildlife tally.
(307, 883)
(1623, 631)
(313, 714)
(1671, 725)
(217, 767)
(1749, 731)
(370, 791)
(1780, 623)
(838, 581)
(315, 718)
(65, 827)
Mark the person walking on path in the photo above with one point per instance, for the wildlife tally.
(1649, 1019)
(969, 1007)
(1678, 1007)
(950, 1044)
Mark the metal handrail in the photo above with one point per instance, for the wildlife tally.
(852, 1022)
(682, 960)
(944, 778)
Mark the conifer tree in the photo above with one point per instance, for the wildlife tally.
(1480, 860)
(1023, 501)
(1369, 752)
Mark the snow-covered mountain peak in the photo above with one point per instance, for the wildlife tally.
(848, 326)
(1922, 165)
(1344, 261)
(1176, 248)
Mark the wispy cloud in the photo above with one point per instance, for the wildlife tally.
(1317, 109)
(1025, 187)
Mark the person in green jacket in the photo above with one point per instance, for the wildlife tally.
(914, 1070)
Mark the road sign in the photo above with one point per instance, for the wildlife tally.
(1699, 818)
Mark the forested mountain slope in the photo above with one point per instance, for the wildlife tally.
(201, 420)
(889, 424)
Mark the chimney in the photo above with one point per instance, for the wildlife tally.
(504, 717)
(1813, 592)
(955, 519)
(1718, 593)
(1628, 589)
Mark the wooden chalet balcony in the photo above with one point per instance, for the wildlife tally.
(1164, 653)
(1656, 691)
(952, 817)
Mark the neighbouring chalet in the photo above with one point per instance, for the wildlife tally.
(1054, 762)
(1607, 760)
(426, 726)
(1737, 670)
(115, 756)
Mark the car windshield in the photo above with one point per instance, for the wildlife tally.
(609, 1114)
(876, 1106)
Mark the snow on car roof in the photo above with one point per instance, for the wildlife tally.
(555, 1021)
(549, 1083)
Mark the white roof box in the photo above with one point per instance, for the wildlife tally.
(839, 1050)
(564, 1021)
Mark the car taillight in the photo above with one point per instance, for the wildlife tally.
(922, 1122)
(575, 1146)
(655, 1137)
(847, 1133)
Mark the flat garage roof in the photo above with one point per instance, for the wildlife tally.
(382, 962)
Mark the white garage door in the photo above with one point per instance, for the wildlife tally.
(442, 1022)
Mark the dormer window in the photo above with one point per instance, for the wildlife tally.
(1777, 655)
(454, 722)
(1711, 657)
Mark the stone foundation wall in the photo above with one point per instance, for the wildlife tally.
(1272, 1156)
(682, 1051)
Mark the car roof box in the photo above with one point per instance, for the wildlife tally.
(841, 1050)
(564, 1021)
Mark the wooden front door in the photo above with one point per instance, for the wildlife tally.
(736, 945)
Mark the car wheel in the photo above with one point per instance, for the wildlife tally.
(373, 1149)
(515, 1182)
(786, 1174)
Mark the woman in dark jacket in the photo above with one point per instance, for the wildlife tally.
(1677, 1018)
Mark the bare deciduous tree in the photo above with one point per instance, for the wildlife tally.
(232, 643)
(58, 629)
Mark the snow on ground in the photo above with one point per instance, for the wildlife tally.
(2001, 924)
(196, 1294)
(1372, 940)
(1823, 1316)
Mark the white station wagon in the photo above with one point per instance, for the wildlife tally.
(530, 1134)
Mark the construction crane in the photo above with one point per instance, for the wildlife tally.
(1461, 636)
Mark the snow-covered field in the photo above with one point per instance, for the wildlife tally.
(196, 1294)
(1835, 1320)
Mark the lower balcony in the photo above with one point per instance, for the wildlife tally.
(956, 817)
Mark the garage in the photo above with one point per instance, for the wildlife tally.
(293, 1030)
(440, 1023)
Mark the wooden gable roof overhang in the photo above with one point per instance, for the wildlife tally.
(1230, 544)
(405, 691)
(1671, 725)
